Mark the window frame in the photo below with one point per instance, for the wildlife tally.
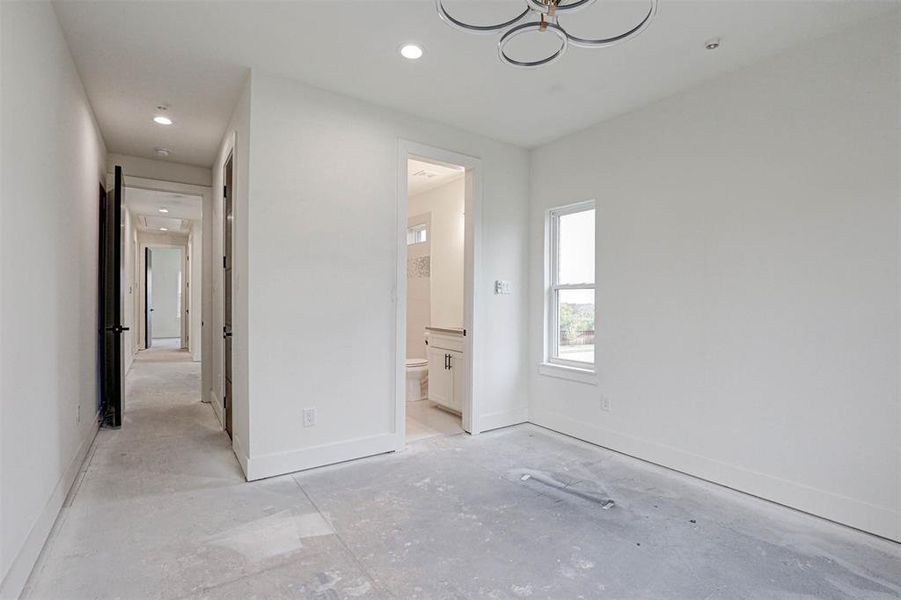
(552, 363)
(417, 228)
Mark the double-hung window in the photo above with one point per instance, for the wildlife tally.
(571, 286)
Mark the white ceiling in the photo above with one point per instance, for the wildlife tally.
(145, 205)
(425, 176)
(194, 57)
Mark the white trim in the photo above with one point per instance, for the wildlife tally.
(471, 275)
(217, 407)
(22, 565)
(206, 194)
(562, 371)
(240, 453)
(504, 418)
(280, 463)
(820, 503)
(142, 284)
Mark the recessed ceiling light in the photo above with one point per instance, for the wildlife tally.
(161, 120)
(162, 152)
(411, 51)
(164, 210)
(712, 44)
(164, 229)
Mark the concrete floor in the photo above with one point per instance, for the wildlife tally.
(166, 343)
(162, 512)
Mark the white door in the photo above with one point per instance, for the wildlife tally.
(441, 381)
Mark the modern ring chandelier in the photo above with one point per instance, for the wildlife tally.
(547, 13)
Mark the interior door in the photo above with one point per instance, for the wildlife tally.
(111, 390)
(227, 238)
(148, 297)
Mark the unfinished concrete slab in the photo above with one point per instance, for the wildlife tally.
(162, 511)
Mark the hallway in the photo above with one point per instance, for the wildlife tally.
(170, 446)
(161, 509)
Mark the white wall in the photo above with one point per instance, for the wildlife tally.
(52, 166)
(322, 252)
(165, 292)
(418, 287)
(748, 279)
(161, 170)
(195, 288)
(445, 205)
(207, 317)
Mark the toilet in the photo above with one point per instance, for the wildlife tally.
(417, 379)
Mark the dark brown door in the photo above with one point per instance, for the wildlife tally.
(227, 238)
(111, 304)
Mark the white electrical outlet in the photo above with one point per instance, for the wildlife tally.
(309, 417)
(502, 287)
(605, 403)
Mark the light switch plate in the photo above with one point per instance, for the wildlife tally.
(309, 417)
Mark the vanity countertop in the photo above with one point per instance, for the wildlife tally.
(446, 330)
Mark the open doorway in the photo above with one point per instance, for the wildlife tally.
(436, 271)
(164, 269)
(164, 295)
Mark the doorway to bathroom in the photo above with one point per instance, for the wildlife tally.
(435, 271)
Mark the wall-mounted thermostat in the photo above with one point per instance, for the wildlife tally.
(502, 287)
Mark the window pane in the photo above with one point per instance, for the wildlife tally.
(575, 240)
(417, 234)
(575, 322)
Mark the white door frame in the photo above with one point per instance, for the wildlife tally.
(471, 274)
(184, 317)
(206, 193)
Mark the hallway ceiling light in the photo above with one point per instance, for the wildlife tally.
(164, 210)
(161, 118)
(164, 229)
(543, 16)
(411, 51)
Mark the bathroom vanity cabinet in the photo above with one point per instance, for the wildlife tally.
(445, 354)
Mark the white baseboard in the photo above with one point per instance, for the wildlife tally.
(240, 454)
(270, 465)
(504, 418)
(854, 513)
(217, 407)
(17, 576)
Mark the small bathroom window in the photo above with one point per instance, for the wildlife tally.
(417, 234)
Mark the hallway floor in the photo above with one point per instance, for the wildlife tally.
(161, 511)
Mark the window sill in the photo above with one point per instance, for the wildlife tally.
(571, 373)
